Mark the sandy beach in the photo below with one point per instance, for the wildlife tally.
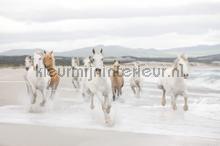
(32, 135)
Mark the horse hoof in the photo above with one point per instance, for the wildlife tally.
(32, 102)
(163, 103)
(108, 121)
(42, 103)
(185, 108)
(92, 107)
(174, 107)
(113, 98)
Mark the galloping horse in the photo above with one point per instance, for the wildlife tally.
(28, 62)
(135, 81)
(173, 82)
(96, 85)
(34, 78)
(117, 79)
(37, 79)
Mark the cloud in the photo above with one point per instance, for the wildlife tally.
(71, 24)
(61, 13)
(14, 31)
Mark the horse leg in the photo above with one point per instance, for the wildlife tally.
(78, 84)
(173, 102)
(138, 89)
(185, 107)
(113, 93)
(33, 98)
(133, 89)
(44, 98)
(83, 91)
(118, 91)
(106, 107)
(52, 93)
(33, 94)
(163, 101)
(74, 85)
(29, 90)
(28, 87)
(92, 100)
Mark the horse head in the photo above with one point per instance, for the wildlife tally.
(88, 62)
(98, 58)
(28, 62)
(38, 59)
(48, 59)
(182, 64)
(116, 65)
(75, 62)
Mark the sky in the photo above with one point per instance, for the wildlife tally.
(70, 24)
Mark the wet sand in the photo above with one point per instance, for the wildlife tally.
(32, 135)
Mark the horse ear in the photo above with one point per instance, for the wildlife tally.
(51, 52)
(119, 61)
(90, 58)
(101, 50)
(45, 52)
(114, 61)
(93, 51)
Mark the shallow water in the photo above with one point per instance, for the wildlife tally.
(129, 113)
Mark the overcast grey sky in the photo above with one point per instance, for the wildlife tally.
(70, 24)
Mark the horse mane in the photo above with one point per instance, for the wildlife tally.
(39, 51)
(183, 56)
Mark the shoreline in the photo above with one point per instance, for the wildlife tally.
(35, 135)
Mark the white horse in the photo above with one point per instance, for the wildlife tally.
(28, 62)
(135, 81)
(76, 79)
(35, 80)
(173, 82)
(96, 84)
(88, 67)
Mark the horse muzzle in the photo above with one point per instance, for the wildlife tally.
(185, 76)
(98, 71)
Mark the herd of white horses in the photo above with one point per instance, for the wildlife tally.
(106, 89)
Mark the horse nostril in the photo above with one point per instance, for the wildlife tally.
(185, 75)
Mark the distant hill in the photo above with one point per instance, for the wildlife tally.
(18, 52)
(118, 51)
(195, 51)
(19, 60)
